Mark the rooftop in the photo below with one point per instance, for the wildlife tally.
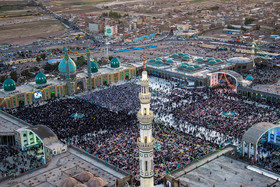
(8, 124)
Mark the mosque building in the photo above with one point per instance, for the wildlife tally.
(70, 81)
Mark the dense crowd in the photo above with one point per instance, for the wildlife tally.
(265, 75)
(14, 162)
(188, 123)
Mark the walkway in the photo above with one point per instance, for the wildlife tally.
(97, 164)
(203, 161)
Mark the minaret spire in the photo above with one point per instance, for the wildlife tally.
(146, 142)
(89, 69)
(67, 71)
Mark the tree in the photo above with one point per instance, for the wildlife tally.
(3, 78)
(38, 59)
(43, 56)
(243, 28)
(230, 27)
(258, 27)
(13, 75)
(111, 57)
(248, 21)
(80, 61)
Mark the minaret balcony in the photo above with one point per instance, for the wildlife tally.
(142, 145)
(145, 98)
(144, 82)
(145, 118)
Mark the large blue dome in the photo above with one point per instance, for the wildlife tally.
(115, 63)
(94, 67)
(9, 84)
(62, 66)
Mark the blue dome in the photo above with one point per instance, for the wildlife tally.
(186, 57)
(94, 67)
(209, 59)
(250, 78)
(186, 64)
(40, 78)
(181, 54)
(196, 66)
(183, 66)
(158, 58)
(152, 60)
(169, 61)
(9, 84)
(62, 66)
(218, 60)
(199, 60)
(115, 63)
(174, 55)
(158, 61)
(212, 62)
(190, 68)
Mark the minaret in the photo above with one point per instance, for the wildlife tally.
(67, 72)
(253, 53)
(146, 141)
(89, 69)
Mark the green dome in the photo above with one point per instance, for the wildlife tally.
(199, 60)
(186, 64)
(250, 78)
(152, 60)
(196, 66)
(209, 59)
(115, 63)
(158, 58)
(94, 67)
(40, 78)
(186, 54)
(170, 61)
(218, 60)
(62, 66)
(212, 62)
(190, 68)
(174, 55)
(9, 85)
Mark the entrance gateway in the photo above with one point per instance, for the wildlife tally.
(219, 77)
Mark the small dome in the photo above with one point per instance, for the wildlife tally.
(69, 182)
(212, 62)
(95, 182)
(196, 66)
(181, 54)
(9, 84)
(158, 61)
(169, 61)
(186, 64)
(186, 54)
(94, 67)
(62, 65)
(186, 57)
(250, 78)
(84, 176)
(115, 63)
(152, 60)
(183, 66)
(218, 60)
(174, 55)
(40, 78)
(199, 60)
(209, 59)
(190, 68)
(158, 58)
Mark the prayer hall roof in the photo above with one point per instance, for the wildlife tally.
(254, 133)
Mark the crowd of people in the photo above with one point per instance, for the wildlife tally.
(14, 161)
(188, 123)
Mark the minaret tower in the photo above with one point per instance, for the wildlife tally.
(146, 141)
(67, 72)
(89, 69)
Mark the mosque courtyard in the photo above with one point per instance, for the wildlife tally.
(188, 123)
